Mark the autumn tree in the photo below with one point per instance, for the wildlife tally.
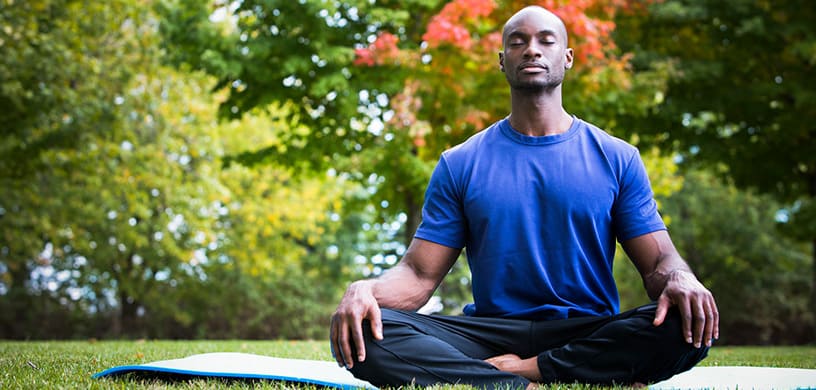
(383, 91)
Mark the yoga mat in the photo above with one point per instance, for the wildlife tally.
(741, 378)
(322, 373)
(236, 365)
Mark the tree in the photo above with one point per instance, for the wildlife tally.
(53, 56)
(137, 228)
(382, 92)
(739, 95)
(51, 59)
(729, 238)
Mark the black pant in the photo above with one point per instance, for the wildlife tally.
(621, 349)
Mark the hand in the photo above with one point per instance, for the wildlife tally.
(701, 320)
(357, 304)
(513, 364)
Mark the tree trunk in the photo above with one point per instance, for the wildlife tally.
(16, 325)
(116, 323)
(127, 316)
(813, 281)
(813, 245)
(413, 209)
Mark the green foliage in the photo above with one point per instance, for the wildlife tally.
(739, 95)
(757, 275)
(284, 51)
(386, 119)
(56, 56)
(384, 126)
(301, 54)
(137, 228)
(123, 211)
(730, 239)
(52, 59)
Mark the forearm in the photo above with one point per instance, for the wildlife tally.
(409, 284)
(657, 261)
(668, 280)
(400, 288)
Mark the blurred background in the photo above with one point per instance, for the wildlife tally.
(191, 169)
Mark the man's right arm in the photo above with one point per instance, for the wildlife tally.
(406, 286)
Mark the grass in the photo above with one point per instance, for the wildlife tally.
(70, 364)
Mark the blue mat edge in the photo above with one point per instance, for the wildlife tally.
(139, 368)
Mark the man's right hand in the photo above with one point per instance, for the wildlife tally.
(410, 283)
(358, 304)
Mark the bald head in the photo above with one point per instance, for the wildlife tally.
(540, 14)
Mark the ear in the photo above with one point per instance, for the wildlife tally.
(501, 61)
(568, 57)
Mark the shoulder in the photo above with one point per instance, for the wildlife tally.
(474, 145)
(606, 140)
(615, 151)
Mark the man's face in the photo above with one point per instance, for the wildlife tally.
(535, 55)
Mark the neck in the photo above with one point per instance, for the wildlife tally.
(538, 114)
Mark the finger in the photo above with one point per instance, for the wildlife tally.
(708, 334)
(376, 323)
(359, 342)
(663, 304)
(699, 318)
(333, 342)
(684, 306)
(343, 345)
(716, 319)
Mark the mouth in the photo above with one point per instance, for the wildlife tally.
(532, 67)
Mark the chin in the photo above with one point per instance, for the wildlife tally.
(534, 87)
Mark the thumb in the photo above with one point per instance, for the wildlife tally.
(663, 305)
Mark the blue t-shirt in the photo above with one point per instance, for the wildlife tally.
(538, 217)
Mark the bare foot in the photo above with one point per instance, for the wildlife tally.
(532, 386)
(504, 362)
(513, 364)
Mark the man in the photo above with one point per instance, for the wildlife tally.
(538, 199)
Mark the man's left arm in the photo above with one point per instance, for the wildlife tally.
(669, 280)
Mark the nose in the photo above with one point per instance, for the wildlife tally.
(533, 50)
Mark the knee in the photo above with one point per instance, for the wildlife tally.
(372, 368)
(378, 364)
(675, 354)
(672, 329)
(388, 325)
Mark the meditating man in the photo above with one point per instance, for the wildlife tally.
(538, 199)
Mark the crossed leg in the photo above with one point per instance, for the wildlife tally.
(624, 349)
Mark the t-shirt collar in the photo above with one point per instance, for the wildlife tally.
(511, 133)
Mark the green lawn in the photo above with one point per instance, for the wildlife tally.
(70, 364)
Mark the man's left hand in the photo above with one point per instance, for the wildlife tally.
(701, 320)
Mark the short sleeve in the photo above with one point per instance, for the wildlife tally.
(443, 220)
(635, 212)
